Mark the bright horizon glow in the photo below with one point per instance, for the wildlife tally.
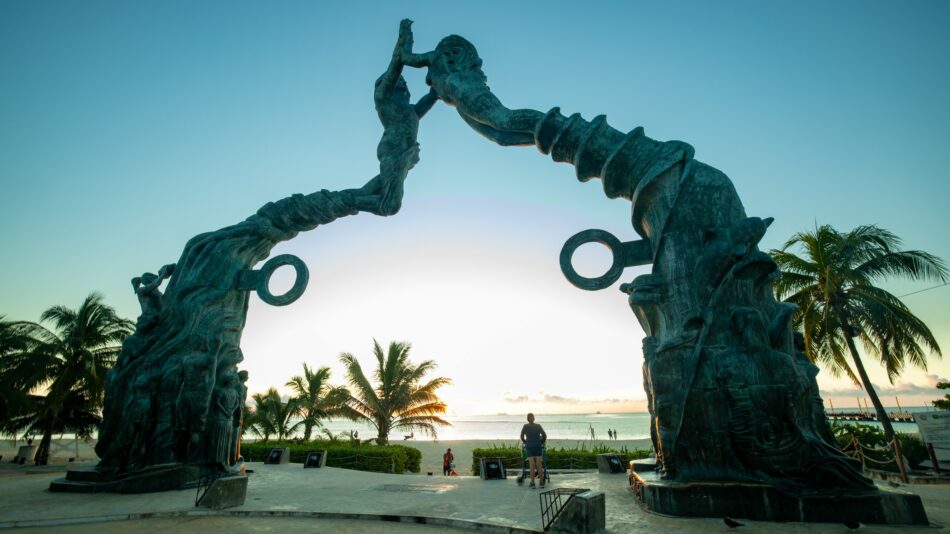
(125, 129)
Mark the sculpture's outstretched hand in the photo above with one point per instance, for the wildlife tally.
(404, 42)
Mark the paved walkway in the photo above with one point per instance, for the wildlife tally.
(287, 498)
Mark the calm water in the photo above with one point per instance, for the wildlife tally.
(508, 427)
(557, 426)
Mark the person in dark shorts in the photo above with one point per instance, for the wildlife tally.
(533, 438)
(448, 463)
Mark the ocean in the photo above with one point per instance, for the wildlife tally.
(557, 426)
(508, 427)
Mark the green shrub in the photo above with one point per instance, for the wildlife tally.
(386, 459)
(413, 458)
(556, 458)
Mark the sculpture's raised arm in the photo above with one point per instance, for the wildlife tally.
(456, 76)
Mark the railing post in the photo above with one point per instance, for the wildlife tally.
(857, 447)
(900, 460)
(933, 457)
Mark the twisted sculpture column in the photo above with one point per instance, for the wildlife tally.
(730, 397)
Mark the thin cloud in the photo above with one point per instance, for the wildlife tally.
(929, 387)
(548, 398)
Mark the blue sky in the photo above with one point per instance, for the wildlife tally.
(126, 128)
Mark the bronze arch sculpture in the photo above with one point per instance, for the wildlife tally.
(737, 422)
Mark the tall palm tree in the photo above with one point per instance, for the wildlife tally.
(832, 284)
(400, 399)
(272, 416)
(317, 398)
(69, 362)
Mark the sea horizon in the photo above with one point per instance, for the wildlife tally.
(507, 426)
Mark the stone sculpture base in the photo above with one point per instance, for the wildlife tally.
(761, 502)
(156, 478)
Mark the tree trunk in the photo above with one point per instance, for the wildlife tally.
(878, 407)
(307, 429)
(383, 437)
(42, 454)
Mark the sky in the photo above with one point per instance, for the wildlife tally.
(128, 127)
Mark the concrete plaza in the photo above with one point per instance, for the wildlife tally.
(287, 498)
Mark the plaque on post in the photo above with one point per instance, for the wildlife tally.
(935, 429)
(316, 459)
(492, 469)
(610, 463)
(278, 455)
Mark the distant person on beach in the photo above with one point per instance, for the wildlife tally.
(610, 433)
(448, 463)
(533, 438)
(615, 434)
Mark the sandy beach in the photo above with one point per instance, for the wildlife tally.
(431, 450)
(462, 449)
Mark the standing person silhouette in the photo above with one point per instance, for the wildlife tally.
(533, 438)
(448, 463)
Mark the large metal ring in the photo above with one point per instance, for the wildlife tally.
(592, 236)
(300, 284)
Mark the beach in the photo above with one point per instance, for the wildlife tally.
(462, 449)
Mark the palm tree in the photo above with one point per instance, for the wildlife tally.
(833, 286)
(399, 400)
(944, 403)
(16, 338)
(317, 398)
(272, 416)
(70, 363)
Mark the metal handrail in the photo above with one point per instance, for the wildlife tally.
(208, 475)
(551, 503)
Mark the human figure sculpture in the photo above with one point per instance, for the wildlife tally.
(130, 448)
(149, 296)
(237, 418)
(191, 404)
(224, 401)
(397, 150)
(187, 341)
